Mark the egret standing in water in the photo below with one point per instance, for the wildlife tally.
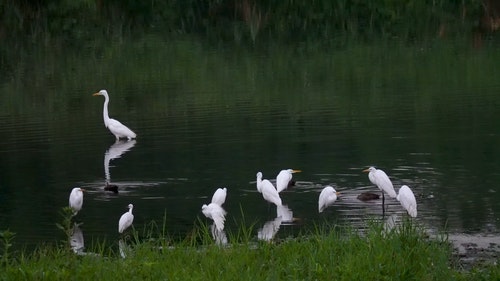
(283, 179)
(214, 210)
(382, 181)
(114, 126)
(327, 197)
(268, 191)
(407, 200)
(126, 219)
(76, 199)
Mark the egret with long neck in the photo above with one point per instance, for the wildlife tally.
(115, 127)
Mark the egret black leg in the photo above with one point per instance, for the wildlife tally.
(383, 204)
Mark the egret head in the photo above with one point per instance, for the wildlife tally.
(130, 206)
(101, 93)
(259, 175)
(333, 189)
(371, 169)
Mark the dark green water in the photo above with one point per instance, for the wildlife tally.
(207, 118)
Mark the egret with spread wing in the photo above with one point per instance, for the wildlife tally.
(219, 196)
(214, 210)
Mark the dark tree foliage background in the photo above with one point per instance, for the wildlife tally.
(249, 21)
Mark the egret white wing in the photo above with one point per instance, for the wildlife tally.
(384, 183)
(120, 130)
(269, 193)
(219, 196)
(407, 200)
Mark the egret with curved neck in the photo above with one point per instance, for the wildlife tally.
(115, 127)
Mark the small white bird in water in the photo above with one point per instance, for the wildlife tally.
(382, 181)
(115, 127)
(283, 179)
(268, 191)
(76, 199)
(126, 219)
(407, 200)
(327, 197)
(214, 210)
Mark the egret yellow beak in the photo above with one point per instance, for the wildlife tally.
(296, 171)
(338, 193)
(82, 189)
(366, 170)
(96, 94)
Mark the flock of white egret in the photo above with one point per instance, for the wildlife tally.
(270, 193)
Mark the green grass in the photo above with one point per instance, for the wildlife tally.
(327, 253)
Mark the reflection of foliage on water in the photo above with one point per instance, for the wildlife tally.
(237, 20)
(439, 95)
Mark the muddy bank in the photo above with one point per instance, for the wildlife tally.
(475, 249)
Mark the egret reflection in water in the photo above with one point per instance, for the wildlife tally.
(123, 248)
(76, 239)
(218, 235)
(116, 150)
(285, 213)
(269, 229)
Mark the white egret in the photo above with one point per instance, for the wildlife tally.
(407, 200)
(126, 219)
(284, 177)
(114, 126)
(215, 212)
(76, 199)
(270, 193)
(382, 181)
(219, 196)
(326, 198)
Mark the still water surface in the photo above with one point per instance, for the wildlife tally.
(213, 118)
